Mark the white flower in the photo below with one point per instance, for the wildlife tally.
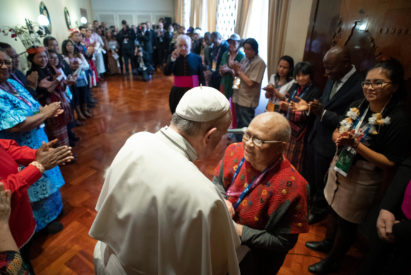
(352, 114)
(387, 120)
(372, 120)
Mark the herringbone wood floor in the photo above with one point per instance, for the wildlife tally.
(125, 106)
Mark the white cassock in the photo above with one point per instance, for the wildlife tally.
(158, 214)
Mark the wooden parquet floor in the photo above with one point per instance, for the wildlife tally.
(125, 106)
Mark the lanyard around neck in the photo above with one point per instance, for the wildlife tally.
(253, 184)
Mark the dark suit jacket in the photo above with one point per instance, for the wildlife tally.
(130, 35)
(146, 40)
(321, 133)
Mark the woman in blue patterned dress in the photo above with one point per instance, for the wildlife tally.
(22, 119)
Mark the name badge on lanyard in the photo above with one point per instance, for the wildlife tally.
(214, 65)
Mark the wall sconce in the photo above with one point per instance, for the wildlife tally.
(363, 26)
(43, 20)
(83, 20)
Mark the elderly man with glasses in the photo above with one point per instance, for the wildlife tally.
(265, 194)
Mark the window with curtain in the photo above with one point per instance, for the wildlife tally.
(226, 17)
(186, 13)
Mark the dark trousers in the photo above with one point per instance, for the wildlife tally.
(25, 255)
(120, 60)
(176, 94)
(128, 58)
(262, 262)
(244, 115)
(383, 257)
(341, 233)
(316, 172)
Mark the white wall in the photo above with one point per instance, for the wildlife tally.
(133, 11)
(297, 28)
(14, 12)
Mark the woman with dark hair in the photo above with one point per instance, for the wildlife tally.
(22, 119)
(80, 89)
(300, 121)
(51, 88)
(371, 142)
(280, 82)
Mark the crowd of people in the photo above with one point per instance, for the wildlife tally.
(315, 153)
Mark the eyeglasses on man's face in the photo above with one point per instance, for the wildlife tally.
(375, 85)
(256, 141)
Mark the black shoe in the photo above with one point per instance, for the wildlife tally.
(323, 246)
(325, 266)
(54, 227)
(316, 217)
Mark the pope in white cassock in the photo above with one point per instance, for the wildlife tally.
(157, 213)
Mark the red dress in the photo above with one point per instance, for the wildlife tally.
(22, 223)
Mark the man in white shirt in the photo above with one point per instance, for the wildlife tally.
(157, 213)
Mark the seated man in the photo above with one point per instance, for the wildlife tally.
(265, 194)
(157, 213)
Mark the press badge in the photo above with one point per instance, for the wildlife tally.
(214, 66)
(344, 161)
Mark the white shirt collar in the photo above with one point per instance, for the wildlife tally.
(180, 142)
(347, 75)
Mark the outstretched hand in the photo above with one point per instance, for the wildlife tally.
(299, 105)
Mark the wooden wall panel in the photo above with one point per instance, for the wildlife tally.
(371, 29)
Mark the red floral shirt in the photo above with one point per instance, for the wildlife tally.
(281, 194)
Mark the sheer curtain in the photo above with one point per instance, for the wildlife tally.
(278, 10)
(211, 15)
(257, 28)
(244, 11)
(196, 15)
(178, 12)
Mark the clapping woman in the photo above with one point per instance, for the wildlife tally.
(22, 119)
(373, 139)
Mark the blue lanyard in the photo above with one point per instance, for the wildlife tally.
(291, 98)
(252, 184)
(358, 123)
(302, 94)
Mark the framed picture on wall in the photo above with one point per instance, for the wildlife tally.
(45, 12)
(67, 18)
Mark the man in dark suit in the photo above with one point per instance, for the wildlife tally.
(145, 38)
(125, 38)
(342, 88)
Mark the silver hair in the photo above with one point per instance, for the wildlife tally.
(184, 37)
(190, 128)
(194, 128)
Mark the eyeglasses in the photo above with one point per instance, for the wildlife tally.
(258, 142)
(5, 62)
(374, 85)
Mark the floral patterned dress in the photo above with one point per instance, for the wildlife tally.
(44, 195)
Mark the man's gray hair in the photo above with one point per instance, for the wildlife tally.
(193, 128)
(283, 133)
(190, 128)
(183, 37)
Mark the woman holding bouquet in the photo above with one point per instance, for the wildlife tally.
(372, 140)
